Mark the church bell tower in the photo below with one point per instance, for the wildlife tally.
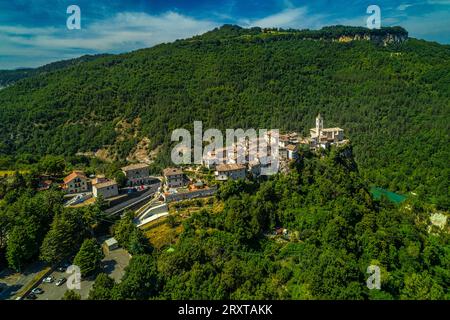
(319, 125)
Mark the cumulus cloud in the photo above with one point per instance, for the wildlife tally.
(429, 26)
(290, 18)
(403, 7)
(23, 46)
(122, 32)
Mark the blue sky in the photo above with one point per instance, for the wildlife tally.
(34, 32)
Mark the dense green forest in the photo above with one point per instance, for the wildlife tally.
(393, 101)
(335, 231)
(9, 77)
(35, 225)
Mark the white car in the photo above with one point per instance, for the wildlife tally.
(60, 281)
(49, 279)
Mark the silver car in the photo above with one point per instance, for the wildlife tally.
(60, 281)
(37, 291)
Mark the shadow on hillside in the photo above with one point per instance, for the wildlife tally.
(7, 292)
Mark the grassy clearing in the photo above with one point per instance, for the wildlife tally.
(88, 202)
(161, 234)
(11, 172)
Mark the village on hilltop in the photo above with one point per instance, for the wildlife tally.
(241, 160)
(228, 165)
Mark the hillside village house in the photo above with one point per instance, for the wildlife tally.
(98, 179)
(283, 153)
(232, 171)
(254, 167)
(244, 151)
(76, 182)
(137, 174)
(106, 189)
(292, 152)
(259, 154)
(44, 184)
(174, 177)
(285, 139)
(324, 137)
(214, 157)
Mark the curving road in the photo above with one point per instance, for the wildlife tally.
(134, 202)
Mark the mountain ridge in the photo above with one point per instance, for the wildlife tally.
(391, 100)
(9, 77)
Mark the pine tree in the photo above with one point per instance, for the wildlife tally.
(71, 295)
(89, 257)
(102, 288)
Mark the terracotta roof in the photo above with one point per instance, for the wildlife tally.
(73, 175)
(291, 147)
(135, 166)
(230, 167)
(304, 141)
(172, 171)
(98, 180)
(105, 184)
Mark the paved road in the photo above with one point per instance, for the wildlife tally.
(14, 282)
(152, 218)
(134, 201)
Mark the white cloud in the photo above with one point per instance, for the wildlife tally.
(290, 18)
(29, 47)
(429, 26)
(441, 2)
(403, 7)
(120, 33)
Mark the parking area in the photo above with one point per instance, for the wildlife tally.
(12, 283)
(113, 264)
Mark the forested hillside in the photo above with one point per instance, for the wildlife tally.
(9, 77)
(335, 231)
(393, 101)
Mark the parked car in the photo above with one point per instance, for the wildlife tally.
(60, 281)
(37, 291)
(63, 267)
(49, 279)
(31, 296)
